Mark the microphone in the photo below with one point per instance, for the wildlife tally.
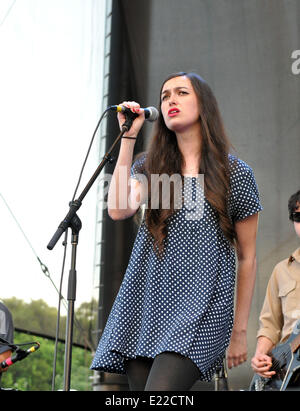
(20, 355)
(151, 113)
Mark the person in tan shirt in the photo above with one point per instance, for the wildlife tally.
(281, 308)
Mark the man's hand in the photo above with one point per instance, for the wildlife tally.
(3, 357)
(261, 364)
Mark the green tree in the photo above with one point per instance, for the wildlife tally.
(34, 373)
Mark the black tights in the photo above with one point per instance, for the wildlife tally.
(168, 371)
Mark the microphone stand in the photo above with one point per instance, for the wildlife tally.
(72, 221)
(221, 377)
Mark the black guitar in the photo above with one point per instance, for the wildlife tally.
(286, 363)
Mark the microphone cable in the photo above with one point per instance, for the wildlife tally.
(88, 152)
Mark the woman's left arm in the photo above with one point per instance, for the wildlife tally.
(246, 253)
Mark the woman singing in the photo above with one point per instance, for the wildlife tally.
(174, 315)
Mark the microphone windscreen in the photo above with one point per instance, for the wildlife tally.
(151, 113)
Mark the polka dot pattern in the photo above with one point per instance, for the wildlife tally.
(182, 302)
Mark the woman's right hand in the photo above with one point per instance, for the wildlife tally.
(137, 123)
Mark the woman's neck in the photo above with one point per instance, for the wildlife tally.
(190, 146)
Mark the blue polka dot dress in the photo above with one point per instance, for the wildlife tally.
(182, 302)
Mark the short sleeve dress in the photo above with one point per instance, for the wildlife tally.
(182, 302)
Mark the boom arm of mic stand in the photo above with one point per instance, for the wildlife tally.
(76, 204)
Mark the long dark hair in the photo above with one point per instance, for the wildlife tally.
(164, 156)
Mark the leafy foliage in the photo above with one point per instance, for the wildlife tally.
(34, 373)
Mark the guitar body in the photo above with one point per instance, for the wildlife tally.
(286, 363)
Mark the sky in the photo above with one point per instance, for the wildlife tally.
(50, 102)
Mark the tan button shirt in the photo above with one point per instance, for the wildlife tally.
(281, 308)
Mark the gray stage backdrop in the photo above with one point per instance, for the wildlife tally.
(243, 49)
